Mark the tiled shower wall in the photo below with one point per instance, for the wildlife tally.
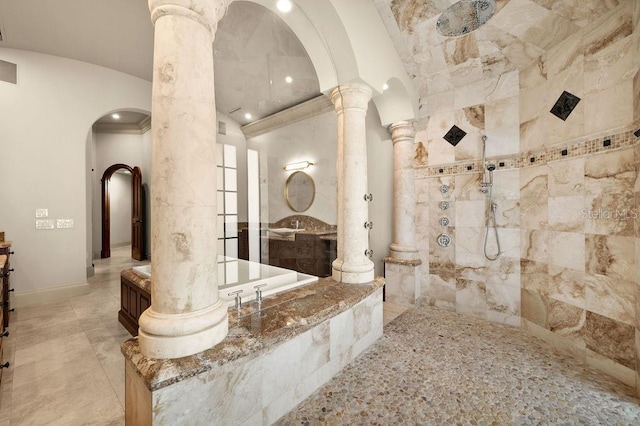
(567, 195)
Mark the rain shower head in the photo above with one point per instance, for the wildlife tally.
(465, 16)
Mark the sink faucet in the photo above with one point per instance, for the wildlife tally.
(295, 224)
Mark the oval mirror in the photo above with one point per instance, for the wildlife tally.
(299, 191)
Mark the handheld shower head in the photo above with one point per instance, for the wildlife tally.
(491, 167)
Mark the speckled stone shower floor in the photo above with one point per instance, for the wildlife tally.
(434, 367)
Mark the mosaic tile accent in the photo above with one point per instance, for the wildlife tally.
(455, 135)
(564, 105)
(621, 140)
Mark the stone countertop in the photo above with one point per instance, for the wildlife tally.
(406, 262)
(3, 260)
(280, 318)
(139, 280)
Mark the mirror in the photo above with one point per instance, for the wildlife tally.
(299, 191)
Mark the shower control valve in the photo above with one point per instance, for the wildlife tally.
(368, 252)
(444, 240)
(444, 221)
(368, 197)
(368, 225)
(444, 205)
(444, 189)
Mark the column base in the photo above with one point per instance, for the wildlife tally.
(403, 252)
(402, 281)
(352, 274)
(178, 335)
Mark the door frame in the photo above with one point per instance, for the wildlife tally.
(137, 217)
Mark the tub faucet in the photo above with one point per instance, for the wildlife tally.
(238, 298)
(259, 292)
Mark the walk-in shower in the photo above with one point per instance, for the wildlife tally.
(486, 186)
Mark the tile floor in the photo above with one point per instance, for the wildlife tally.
(66, 369)
(66, 365)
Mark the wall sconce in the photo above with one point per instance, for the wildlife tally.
(301, 165)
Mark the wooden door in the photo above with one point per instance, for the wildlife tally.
(137, 216)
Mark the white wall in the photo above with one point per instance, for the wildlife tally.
(44, 123)
(120, 208)
(313, 139)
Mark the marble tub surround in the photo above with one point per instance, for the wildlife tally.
(187, 315)
(313, 335)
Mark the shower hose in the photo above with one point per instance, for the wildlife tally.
(491, 217)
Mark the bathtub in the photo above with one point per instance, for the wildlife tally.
(238, 274)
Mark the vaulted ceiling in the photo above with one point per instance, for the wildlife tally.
(255, 51)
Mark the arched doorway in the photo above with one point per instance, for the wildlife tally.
(137, 212)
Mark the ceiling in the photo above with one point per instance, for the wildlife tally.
(254, 50)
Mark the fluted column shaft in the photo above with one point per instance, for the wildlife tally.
(352, 264)
(403, 244)
(186, 315)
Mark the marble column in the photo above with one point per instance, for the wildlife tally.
(403, 244)
(352, 264)
(186, 315)
(401, 267)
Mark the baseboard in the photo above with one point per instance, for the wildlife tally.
(91, 271)
(48, 295)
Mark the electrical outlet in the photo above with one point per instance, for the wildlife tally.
(45, 224)
(42, 212)
(64, 223)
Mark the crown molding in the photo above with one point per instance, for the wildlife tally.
(139, 128)
(311, 108)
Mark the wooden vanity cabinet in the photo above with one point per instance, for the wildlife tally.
(308, 254)
(5, 271)
(133, 302)
(5, 249)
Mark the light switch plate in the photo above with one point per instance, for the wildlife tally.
(65, 223)
(42, 212)
(45, 224)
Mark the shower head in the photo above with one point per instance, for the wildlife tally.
(491, 167)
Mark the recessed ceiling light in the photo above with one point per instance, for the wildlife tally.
(247, 116)
(288, 79)
(284, 6)
(115, 116)
(385, 87)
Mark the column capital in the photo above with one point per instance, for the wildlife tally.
(351, 95)
(205, 12)
(402, 131)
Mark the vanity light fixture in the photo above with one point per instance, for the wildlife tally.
(301, 165)
(284, 6)
(115, 116)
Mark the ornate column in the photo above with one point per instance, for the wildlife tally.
(186, 315)
(401, 267)
(352, 264)
(403, 244)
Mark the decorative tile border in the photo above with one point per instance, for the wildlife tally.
(621, 140)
